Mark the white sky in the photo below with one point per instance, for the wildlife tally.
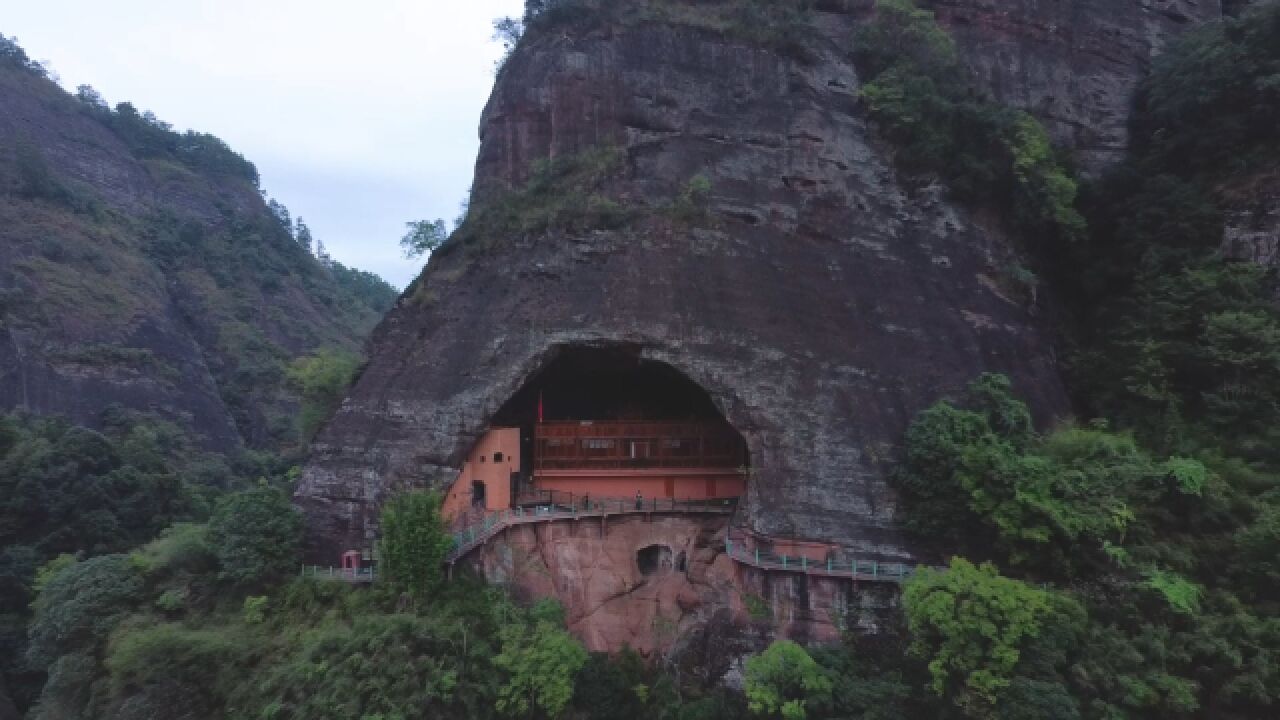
(360, 116)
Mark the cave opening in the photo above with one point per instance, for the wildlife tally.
(607, 423)
(654, 559)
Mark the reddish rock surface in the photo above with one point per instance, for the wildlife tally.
(654, 584)
(610, 599)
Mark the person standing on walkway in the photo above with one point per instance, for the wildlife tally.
(639, 500)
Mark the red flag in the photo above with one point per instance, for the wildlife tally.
(539, 406)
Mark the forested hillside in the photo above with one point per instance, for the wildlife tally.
(166, 333)
(143, 267)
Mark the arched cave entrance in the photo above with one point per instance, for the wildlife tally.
(606, 423)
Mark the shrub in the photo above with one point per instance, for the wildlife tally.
(414, 542)
(784, 681)
(183, 670)
(322, 380)
(560, 194)
(540, 662)
(920, 94)
(182, 547)
(971, 624)
(256, 535)
(378, 666)
(80, 604)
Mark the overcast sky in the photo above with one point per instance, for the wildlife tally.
(360, 116)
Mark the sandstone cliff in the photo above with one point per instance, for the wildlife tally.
(820, 301)
(132, 275)
(1074, 64)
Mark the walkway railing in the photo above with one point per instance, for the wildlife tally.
(357, 576)
(737, 546)
(467, 539)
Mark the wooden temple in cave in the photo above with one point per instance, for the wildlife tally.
(601, 425)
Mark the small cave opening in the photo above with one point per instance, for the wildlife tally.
(605, 423)
(654, 559)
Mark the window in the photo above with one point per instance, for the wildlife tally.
(497, 457)
(598, 447)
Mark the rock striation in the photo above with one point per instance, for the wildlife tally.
(818, 299)
(1074, 64)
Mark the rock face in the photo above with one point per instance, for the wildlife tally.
(1074, 64)
(7, 709)
(130, 279)
(821, 304)
(664, 587)
(819, 301)
(1252, 227)
(633, 582)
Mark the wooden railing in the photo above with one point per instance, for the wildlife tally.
(621, 445)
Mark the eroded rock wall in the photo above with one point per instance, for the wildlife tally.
(1251, 230)
(1073, 63)
(626, 581)
(664, 587)
(820, 302)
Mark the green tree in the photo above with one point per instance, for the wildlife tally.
(414, 542)
(302, 234)
(424, 237)
(79, 605)
(784, 681)
(971, 625)
(36, 180)
(540, 661)
(256, 535)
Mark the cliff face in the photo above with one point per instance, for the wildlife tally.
(1074, 64)
(1252, 231)
(664, 587)
(131, 278)
(820, 302)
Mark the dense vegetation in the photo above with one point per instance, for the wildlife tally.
(71, 492)
(210, 621)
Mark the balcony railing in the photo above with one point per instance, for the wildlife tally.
(636, 445)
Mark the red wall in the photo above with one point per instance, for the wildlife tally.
(481, 467)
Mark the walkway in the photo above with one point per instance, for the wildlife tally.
(494, 523)
(738, 545)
